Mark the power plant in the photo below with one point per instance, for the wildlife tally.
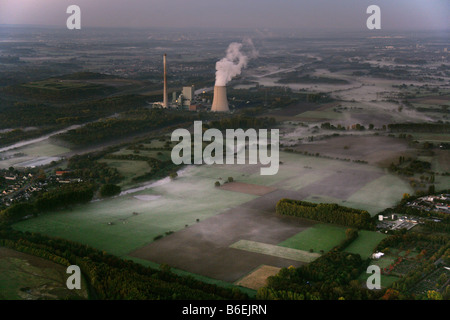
(187, 100)
(220, 101)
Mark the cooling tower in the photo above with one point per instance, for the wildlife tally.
(165, 100)
(220, 102)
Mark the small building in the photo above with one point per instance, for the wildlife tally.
(197, 107)
(61, 173)
(377, 255)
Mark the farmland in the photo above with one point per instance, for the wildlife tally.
(155, 220)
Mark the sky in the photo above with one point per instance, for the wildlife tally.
(250, 14)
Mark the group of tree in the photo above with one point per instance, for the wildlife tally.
(329, 126)
(126, 124)
(409, 168)
(326, 212)
(88, 168)
(109, 190)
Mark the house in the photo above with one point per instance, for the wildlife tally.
(61, 173)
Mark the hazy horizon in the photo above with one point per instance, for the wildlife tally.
(321, 15)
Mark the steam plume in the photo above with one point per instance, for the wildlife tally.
(234, 61)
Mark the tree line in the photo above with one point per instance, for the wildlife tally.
(326, 212)
(420, 127)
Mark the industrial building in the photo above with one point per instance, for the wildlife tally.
(186, 100)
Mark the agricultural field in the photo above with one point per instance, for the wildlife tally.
(26, 277)
(276, 251)
(365, 243)
(168, 221)
(365, 147)
(319, 238)
(258, 278)
(303, 110)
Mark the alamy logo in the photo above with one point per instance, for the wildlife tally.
(374, 281)
(374, 21)
(74, 21)
(237, 144)
(74, 281)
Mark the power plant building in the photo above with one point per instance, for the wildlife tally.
(188, 93)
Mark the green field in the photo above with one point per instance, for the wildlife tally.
(365, 243)
(318, 237)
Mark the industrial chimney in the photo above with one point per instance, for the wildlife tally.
(165, 99)
(220, 102)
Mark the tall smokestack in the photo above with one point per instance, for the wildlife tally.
(165, 99)
(220, 102)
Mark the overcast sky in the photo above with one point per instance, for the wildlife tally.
(301, 14)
